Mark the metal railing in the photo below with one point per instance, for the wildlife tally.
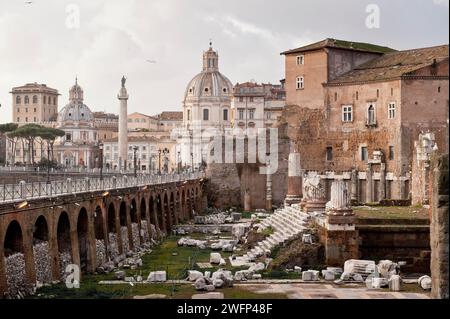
(34, 190)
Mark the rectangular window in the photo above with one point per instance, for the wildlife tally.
(364, 154)
(300, 83)
(269, 115)
(251, 114)
(329, 153)
(188, 115)
(107, 148)
(225, 115)
(251, 99)
(18, 119)
(391, 110)
(18, 110)
(391, 153)
(347, 113)
(300, 60)
(241, 114)
(241, 99)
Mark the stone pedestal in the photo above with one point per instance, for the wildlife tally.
(294, 195)
(339, 235)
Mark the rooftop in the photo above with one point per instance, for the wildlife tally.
(170, 116)
(394, 65)
(134, 139)
(341, 44)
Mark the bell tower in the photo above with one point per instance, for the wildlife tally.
(210, 60)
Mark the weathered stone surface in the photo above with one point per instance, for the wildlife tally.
(243, 275)
(193, 275)
(200, 284)
(425, 282)
(387, 268)
(363, 267)
(310, 275)
(65, 259)
(100, 251)
(113, 249)
(125, 241)
(328, 275)
(215, 258)
(120, 275)
(395, 283)
(41, 253)
(15, 273)
(157, 276)
(135, 235)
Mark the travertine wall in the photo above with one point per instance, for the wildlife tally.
(439, 227)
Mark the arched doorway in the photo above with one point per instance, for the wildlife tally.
(144, 224)
(82, 231)
(41, 251)
(99, 232)
(14, 259)
(64, 244)
(113, 245)
(124, 228)
(134, 225)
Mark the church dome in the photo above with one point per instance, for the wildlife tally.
(210, 82)
(76, 110)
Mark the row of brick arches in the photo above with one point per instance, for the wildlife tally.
(38, 243)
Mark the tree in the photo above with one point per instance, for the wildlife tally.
(50, 135)
(4, 130)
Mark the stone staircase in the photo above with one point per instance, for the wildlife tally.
(287, 223)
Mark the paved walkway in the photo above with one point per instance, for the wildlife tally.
(327, 291)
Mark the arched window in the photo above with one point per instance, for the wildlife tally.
(225, 114)
(371, 115)
(188, 115)
(205, 115)
(35, 99)
(18, 100)
(27, 99)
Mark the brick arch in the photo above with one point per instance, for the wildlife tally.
(13, 243)
(82, 235)
(41, 239)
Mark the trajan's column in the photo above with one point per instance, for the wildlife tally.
(123, 125)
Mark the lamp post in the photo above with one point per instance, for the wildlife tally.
(134, 159)
(48, 163)
(179, 162)
(192, 162)
(100, 147)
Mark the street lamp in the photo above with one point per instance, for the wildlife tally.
(134, 159)
(159, 162)
(192, 162)
(48, 163)
(179, 162)
(100, 147)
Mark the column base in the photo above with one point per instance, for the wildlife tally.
(292, 199)
(316, 206)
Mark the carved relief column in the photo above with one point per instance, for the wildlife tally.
(314, 193)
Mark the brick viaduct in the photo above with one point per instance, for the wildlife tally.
(74, 222)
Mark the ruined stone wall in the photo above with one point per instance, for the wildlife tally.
(439, 227)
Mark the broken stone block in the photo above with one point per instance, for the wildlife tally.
(228, 248)
(215, 258)
(243, 275)
(257, 276)
(387, 268)
(257, 267)
(307, 239)
(425, 282)
(310, 275)
(200, 284)
(207, 274)
(328, 275)
(358, 278)
(193, 275)
(157, 276)
(395, 283)
(337, 270)
(379, 282)
(129, 279)
(298, 269)
(363, 267)
(218, 283)
(210, 288)
(222, 262)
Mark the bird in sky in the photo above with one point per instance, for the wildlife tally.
(28, 2)
(150, 61)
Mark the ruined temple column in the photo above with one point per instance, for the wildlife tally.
(354, 186)
(340, 237)
(314, 193)
(369, 185)
(339, 210)
(268, 189)
(123, 126)
(382, 185)
(294, 194)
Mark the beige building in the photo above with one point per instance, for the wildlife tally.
(152, 153)
(107, 125)
(34, 103)
(142, 122)
(256, 105)
(167, 121)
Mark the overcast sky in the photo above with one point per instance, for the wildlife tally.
(41, 42)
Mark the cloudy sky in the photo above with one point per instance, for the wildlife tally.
(44, 42)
